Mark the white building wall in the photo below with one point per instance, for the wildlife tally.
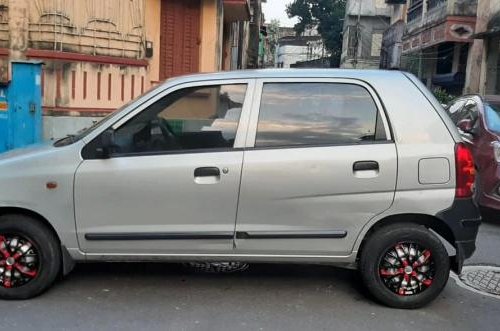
(290, 54)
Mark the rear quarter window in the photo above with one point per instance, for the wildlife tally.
(294, 114)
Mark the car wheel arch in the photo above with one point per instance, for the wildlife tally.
(67, 261)
(430, 222)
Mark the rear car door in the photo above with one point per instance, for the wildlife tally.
(171, 185)
(319, 164)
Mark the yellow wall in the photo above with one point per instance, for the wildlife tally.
(85, 85)
(152, 29)
(136, 21)
(210, 37)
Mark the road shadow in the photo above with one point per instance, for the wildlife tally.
(257, 277)
(490, 216)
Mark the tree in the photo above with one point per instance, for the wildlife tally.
(328, 15)
(273, 34)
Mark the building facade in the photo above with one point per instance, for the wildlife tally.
(392, 39)
(270, 43)
(436, 41)
(364, 24)
(256, 22)
(483, 69)
(99, 55)
(292, 50)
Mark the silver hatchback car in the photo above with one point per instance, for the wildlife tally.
(357, 169)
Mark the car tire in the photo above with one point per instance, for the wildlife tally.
(397, 283)
(30, 257)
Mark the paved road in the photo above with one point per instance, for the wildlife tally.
(282, 297)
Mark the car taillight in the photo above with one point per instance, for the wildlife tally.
(466, 173)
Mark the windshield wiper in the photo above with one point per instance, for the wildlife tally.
(68, 140)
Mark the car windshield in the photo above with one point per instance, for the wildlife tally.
(72, 138)
(492, 115)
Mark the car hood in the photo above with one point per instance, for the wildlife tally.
(27, 152)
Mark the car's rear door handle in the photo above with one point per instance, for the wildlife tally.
(207, 172)
(365, 165)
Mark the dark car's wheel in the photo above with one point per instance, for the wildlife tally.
(30, 257)
(404, 265)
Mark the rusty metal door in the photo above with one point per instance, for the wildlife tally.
(180, 37)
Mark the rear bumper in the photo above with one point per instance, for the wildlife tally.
(463, 219)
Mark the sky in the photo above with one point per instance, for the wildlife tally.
(275, 9)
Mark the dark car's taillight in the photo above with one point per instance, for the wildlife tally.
(466, 173)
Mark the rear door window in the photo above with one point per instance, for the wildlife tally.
(295, 114)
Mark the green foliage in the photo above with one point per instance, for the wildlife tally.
(302, 10)
(442, 96)
(273, 29)
(328, 15)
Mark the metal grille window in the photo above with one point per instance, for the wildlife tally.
(415, 10)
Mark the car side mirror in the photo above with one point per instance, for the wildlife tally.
(466, 126)
(108, 144)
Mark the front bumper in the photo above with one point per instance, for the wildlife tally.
(463, 219)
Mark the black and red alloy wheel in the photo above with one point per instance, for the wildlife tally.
(407, 268)
(19, 260)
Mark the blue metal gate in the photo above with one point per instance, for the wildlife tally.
(21, 106)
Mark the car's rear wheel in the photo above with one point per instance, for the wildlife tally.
(30, 257)
(404, 265)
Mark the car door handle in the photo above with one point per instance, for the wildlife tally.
(365, 165)
(207, 172)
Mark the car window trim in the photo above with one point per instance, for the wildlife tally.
(259, 84)
(246, 149)
(329, 145)
(179, 152)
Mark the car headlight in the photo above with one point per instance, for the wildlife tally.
(496, 150)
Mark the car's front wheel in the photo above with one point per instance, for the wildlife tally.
(30, 257)
(404, 265)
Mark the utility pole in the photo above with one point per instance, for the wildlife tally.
(358, 35)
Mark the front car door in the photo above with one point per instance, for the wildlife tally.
(320, 164)
(171, 183)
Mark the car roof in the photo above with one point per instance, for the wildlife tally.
(291, 73)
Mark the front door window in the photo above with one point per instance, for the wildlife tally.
(189, 119)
